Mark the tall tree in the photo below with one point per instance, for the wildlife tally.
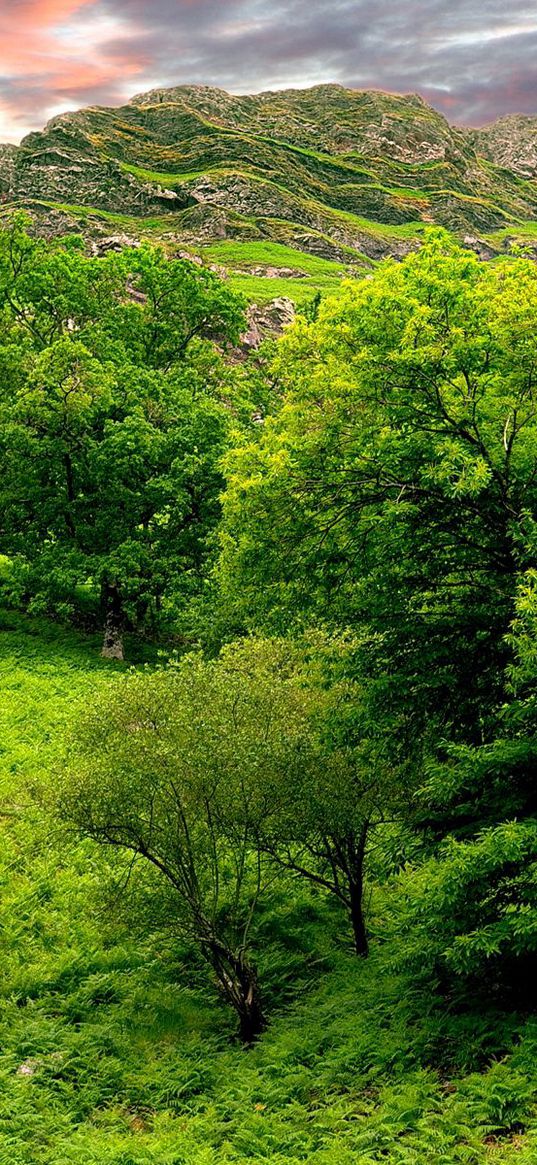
(393, 490)
(115, 411)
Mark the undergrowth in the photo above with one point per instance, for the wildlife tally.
(114, 1051)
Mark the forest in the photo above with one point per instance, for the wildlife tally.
(268, 645)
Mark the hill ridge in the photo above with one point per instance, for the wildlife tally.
(347, 174)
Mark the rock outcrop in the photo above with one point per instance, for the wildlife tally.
(510, 142)
(267, 320)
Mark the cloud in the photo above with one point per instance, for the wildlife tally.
(473, 60)
(55, 55)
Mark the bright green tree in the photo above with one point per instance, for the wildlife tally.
(395, 492)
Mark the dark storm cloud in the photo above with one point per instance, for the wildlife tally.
(474, 61)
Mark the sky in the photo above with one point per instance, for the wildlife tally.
(474, 60)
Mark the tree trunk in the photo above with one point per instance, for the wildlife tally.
(237, 979)
(355, 874)
(114, 621)
(356, 912)
(252, 1021)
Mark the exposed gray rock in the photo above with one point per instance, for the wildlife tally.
(482, 249)
(266, 320)
(118, 243)
(511, 142)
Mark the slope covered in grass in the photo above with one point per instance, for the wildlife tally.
(263, 270)
(114, 1050)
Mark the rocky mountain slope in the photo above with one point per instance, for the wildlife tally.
(510, 142)
(344, 175)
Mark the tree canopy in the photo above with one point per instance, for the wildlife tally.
(183, 767)
(394, 492)
(115, 409)
(354, 730)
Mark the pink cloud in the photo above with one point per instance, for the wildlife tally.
(54, 53)
(27, 33)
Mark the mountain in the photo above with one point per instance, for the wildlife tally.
(510, 142)
(345, 176)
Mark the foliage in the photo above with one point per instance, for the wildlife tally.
(114, 418)
(369, 744)
(126, 1058)
(480, 920)
(394, 491)
(408, 408)
(321, 817)
(179, 768)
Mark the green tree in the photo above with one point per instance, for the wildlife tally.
(115, 409)
(179, 767)
(321, 820)
(472, 908)
(393, 490)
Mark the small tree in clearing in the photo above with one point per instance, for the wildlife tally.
(178, 767)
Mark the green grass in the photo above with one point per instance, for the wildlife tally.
(258, 289)
(412, 193)
(43, 668)
(114, 1051)
(520, 230)
(168, 180)
(321, 275)
(245, 254)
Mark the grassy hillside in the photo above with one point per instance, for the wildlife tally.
(114, 1052)
(340, 174)
(263, 270)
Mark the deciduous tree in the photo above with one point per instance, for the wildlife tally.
(114, 415)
